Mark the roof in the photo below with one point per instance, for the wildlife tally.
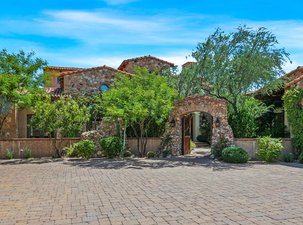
(187, 64)
(294, 81)
(143, 57)
(62, 68)
(95, 68)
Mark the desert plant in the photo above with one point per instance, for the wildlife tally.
(300, 159)
(83, 148)
(217, 148)
(269, 149)
(287, 157)
(9, 154)
(27, 153)
(234, 154)
(150, 154)
(111, 146)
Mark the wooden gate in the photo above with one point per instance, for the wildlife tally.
(186, 133)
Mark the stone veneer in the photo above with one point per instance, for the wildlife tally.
(216, 108)
(88, 81)
(149, 62)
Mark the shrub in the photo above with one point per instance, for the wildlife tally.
(217, 148)
(234, 154)
(269, 148)
(9, 154)
(300, 159)
(166, 153)
(83, 148)
(127, 154)
(111, 146)
(27, 153)
(287, 157)
(192, 145)
(150, 154)
(202, 138)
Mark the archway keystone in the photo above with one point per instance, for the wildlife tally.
(215, 107)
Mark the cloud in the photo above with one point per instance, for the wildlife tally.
(119, 2)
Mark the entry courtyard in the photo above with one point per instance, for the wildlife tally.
(181, 190)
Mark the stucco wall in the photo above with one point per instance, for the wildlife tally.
(152, 144)
(41, 147)
(250, 145)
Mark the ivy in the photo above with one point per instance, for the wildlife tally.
(294, 109)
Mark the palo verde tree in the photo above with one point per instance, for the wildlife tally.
(21, 79)
(229, 65)
(139, 101)
(61, 118)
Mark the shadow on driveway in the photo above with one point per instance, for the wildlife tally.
(138, 163)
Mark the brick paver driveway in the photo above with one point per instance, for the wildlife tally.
(178, 191)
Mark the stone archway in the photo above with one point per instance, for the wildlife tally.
(215, 107)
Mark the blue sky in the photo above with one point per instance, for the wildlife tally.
(86, 33)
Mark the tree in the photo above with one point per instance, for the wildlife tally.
(138, 102)
(62, 118)
(21, 79)
(231, 65)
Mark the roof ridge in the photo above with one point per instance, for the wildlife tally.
(94, 68)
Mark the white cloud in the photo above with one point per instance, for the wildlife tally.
(119, 2)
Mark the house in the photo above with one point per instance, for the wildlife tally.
(78, 81)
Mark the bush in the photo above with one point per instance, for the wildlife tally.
(127, 154)
(269, 149)
(192, 145)
(300, 159)
(83, 148)
(27, 153)
(287, 157)
(150, 154)
(234, 155)
(217, 148)
(9, 154)
(202, 138)
(166, 153)
(111, 146)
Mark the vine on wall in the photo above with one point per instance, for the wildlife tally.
(294, 109)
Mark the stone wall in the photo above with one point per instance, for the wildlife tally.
(216, 108)
(88, 81)
(149, 62)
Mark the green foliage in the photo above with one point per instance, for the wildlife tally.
(234, 154)
(9, 154)
(150, 154)
(63, 116)
(287, 157)
(27, 153)
(229, 65)
(201, 138)
(218, 147)
(166, 153)
(83, 148)
(127, 154)
(269, 149)
(139, 101)
(300, 158)
(244, 123)
(20, 81)
(294, 109)
(192, 145)
(111, 146)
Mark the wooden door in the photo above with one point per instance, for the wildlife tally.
(186, 134)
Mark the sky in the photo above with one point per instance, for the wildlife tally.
(89, 33)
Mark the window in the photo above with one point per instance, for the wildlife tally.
(104, 87)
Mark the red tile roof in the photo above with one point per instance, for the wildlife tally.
(125, 62)
(187, 64)
(95, 68)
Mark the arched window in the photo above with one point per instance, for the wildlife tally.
(104, 87)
